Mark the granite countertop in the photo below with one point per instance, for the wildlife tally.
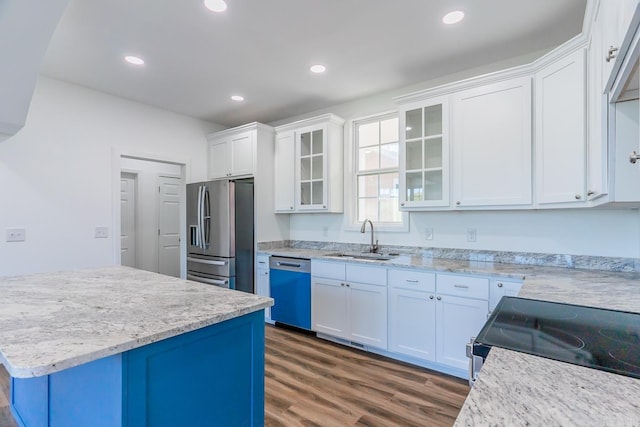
(51, 322)
(515, 389)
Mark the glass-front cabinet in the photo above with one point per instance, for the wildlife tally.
(311, 189)
(424, 155)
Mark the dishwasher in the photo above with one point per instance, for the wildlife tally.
(290, 283)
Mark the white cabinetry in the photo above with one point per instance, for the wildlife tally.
(412, 313)
(560, 131)
(262, 281)
(284, 179)
(233, 152)
(461, 311)
(351, 303)
(491, 140)
(424, 154)
(500, 288)
(311, 151)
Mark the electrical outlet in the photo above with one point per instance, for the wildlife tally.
(16, 234)
(102, 232)
(471, 234)
(428, 233)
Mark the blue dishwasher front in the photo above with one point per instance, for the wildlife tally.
(290, 282)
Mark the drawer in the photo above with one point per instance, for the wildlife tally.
(412, 279)
(367, 274)
(328, 269)
(463, 286)
(262, 261)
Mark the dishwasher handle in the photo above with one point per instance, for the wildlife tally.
(290, 264)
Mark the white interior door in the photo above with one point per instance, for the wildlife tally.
(169, 225)
(128, 219)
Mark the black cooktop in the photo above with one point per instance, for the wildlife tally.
(608, 340)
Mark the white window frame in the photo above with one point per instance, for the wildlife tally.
(354, 224)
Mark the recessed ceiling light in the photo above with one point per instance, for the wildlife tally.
(215, 5)
(453, 17)
(135, 60)
(237, 98)
(318, 68)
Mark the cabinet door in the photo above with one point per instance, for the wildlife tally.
(329, 307)
(284, 189)
(457, 321)
(219, 152)
(560, 131)
(412, 329)
(368, 314)
(242, 154)
(424, 155)
(500, 288)
(311, 169)
(491, 140)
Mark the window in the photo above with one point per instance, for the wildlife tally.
(377, 178)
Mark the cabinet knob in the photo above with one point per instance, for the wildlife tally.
(324, 206)
(341, 284)
(634, 157)
(578, 197)
(439, 298)
(499, 284)
(590, 193)
(430, 296)
(348, 285)
(291, 207)
(458, 203)
(402, 204)
(611, 53)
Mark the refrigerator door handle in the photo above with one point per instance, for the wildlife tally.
(206, 217)
(207, 261)
(208, 281)
(199, 226)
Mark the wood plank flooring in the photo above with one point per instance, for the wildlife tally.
(313, 382)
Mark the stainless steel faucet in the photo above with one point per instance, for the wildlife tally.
(374, 247)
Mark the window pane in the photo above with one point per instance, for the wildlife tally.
(317, 142)
(389, 184)
(413, 121)
(389, 211)
(368, 209)
(389, 130)
(433, 153)
(433, 120)
(369, 158)
(305, 169)
(368, 186)
(414, 186)
(389, 155)
(316, 172)
(305, 146)
(414, 155)
(369, 134)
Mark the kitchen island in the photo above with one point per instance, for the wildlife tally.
(118, 346)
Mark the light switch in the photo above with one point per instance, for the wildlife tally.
(102, 232)
(16, 234)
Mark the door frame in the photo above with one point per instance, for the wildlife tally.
(117, 154)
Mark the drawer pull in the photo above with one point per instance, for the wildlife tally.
(461, 286)
(412, 281)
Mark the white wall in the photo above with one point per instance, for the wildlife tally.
(56, 173)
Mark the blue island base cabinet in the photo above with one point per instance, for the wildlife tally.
(212, 376)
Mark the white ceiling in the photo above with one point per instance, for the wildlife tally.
(262, 49)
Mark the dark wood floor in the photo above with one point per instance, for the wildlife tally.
(312, 382)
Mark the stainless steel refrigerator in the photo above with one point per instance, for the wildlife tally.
(220, 233)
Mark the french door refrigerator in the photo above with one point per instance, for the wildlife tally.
(220, 233)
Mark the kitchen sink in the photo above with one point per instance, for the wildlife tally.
(365, 256)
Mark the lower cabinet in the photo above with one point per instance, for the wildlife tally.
(412, 329)
(500, 288)
(351, 310)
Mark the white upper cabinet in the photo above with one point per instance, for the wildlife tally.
(317, 165)
(491, 141)
(284, 172)
(561, 131)
(232, 153)
(424, 154)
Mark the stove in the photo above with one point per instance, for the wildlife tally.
(607, 340)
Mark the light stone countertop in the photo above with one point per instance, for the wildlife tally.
(515, 389)
(51, 322)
